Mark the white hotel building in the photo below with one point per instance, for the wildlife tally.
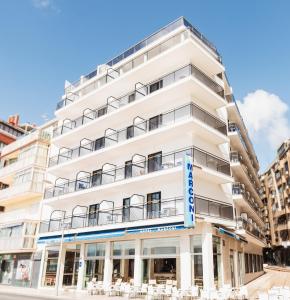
(117, 202)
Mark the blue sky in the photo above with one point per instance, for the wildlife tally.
(44, 42)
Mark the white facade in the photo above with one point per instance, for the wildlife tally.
(117, 159)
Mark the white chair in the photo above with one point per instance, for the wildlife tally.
(91, 288)
(242, 293)
(129, 291)
(194, 291)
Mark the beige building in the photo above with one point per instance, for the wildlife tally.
(22, 171)
(275, 192)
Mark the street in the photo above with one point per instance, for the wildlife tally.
(10, 296)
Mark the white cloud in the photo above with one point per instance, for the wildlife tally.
(265, 115)
(45, 4)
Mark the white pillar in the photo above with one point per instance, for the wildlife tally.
(42, 266)
(81, 268)
(60, 265)
(207, 257)
(138, 264)
(108, 269)
(185, 263)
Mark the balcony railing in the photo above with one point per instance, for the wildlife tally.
(139, 166)
(139, 127)
(112, 74)
(181, 22)
(157, 209)
(237, 158)
(251, 228)
(239, 189)
(139, 92)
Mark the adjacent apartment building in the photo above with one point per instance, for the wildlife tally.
(10, 131)
(275, 193)
(115, 208)
(22, 171)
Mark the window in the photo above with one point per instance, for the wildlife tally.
(130, 132)
(155, 122)
(154, 162)
(250, 263)
(162, 246)
(286, 166)
(126, 210)
(97, 177)
(100, 143)
(216, 244)
(128, 169)
(102, 111)
(93, 214)
(196, 260)
(247, 263)
(153, 205)
(155, 86)
(123, 248)
(131, 98)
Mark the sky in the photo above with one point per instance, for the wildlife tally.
(45, 42)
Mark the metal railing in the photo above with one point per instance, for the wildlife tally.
(140, 167)
(157, 209)
(112, 74)
(139, 92)
(140, 127)
(251, 228)
(149, 40)
(239, 189)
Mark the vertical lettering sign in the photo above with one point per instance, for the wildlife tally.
(189, 201)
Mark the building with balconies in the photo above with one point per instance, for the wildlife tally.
(118, 204)
(275, 192)
(22, 170)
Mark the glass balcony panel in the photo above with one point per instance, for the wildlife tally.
(182, 113)
(127, 67)
(136, 213)
(120, 174)
(153, 52)
(214, 209)
(202, 206)
(138, 61)
(169, 79)
(182, 73)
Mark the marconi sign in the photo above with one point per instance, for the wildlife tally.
(189, 201)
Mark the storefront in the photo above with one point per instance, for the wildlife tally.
(16, 269)
(201, 256)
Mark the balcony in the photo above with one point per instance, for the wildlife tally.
(165, 31)
(18, 237)
(8, 171)
(250, 227)
(242, 174)
(239, 191)
(138, 93)
(183, 49)
(107, 214)
(141, 127)
(21, 191)
(138, 166)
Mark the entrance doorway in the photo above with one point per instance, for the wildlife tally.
(71, 267)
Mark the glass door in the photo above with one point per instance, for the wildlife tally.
(153, 205)
(154, 162)
(71, 267)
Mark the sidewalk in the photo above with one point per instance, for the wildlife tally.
(50, 293)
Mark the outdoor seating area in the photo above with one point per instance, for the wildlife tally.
(169, 290)
(276, 293)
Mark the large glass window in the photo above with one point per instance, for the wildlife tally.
(123, 253)
(94, 262)
(154, 162)
(217, 260)
(161, 260)
(196, 260)
(51, 267)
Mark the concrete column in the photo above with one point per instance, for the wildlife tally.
(42, 265)
(207, 257)
(108, 269)
(185, 263)
(138, 263)
(60, 265)
(81, 268)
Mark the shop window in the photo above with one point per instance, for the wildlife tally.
(196, 260)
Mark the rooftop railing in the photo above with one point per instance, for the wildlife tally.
(139, 166)
(180, 22)
(156, 209)
(110, 74)
(138, 128)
